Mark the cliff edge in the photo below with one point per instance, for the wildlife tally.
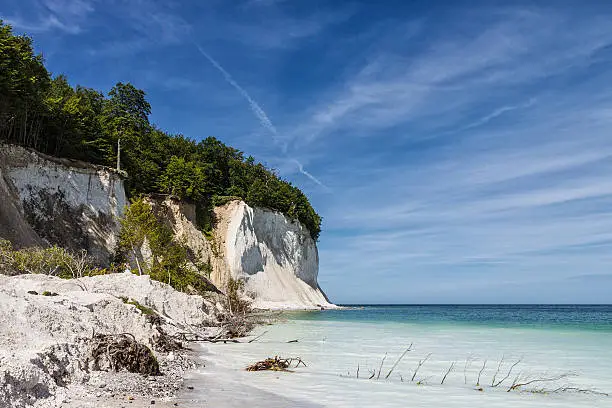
(77, 205)
(274, 255)
(46, 200)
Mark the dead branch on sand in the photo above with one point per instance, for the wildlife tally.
(448, 372)
(275, 364)
(397, 361)
(507, 375)
(121, 351)
(381, 365)
(516, 385)
(421, 362)
(497, 371)
(484, 364)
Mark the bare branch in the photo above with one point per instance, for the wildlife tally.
(468, 362)
(539, 380)
(448, 372)
(421, 362)
(480, 373)
(258, 337)
(498, 368)
(381, 366)
(398, 360)
(507, 375)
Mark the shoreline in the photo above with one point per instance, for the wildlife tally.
(333, 351)
(49, 327)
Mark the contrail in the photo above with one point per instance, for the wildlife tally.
(307, 174)
(261, 115)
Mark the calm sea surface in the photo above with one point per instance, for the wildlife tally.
(577, 317)
(458, 356)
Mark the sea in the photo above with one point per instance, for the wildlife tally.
(420, 356)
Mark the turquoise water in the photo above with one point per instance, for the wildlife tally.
(567, 346)
(572, 317)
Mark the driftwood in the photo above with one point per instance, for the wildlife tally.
(507, 375)
(484, 365)
(197, 337)
(257, 337)
(275, 364)
(421, 362)
(517, 385)
(452, 366)
(164, 342)
(122, 352)
(398, 360)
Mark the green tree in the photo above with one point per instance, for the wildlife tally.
(184, 179)
(81, 123)
(23, 84)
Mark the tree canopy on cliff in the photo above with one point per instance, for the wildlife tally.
(51, 116)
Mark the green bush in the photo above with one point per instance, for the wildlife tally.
(235, 298)
(169, 258)
(222, 200)
(147, 311)
(54, 261)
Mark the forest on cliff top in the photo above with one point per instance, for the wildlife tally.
(44, 112)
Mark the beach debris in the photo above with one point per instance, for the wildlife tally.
(258, 337)
(121, 351)
(452, 366)
(484, 365)
(507, 375)
(397, 361)
(276, 364)
(381, 366)
(164, 342)
(421, 362)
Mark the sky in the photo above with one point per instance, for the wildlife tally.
(458, 152)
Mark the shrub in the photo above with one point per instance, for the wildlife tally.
(236, 299)
(169, 257)
(55, 261)
(222, 200)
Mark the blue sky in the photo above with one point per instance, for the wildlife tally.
(459, 152)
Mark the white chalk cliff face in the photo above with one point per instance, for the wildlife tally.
(55, 201)
(76, 205)
(274, 255)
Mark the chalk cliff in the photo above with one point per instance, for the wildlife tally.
(78, 205)
(46, 200)
(274, 255)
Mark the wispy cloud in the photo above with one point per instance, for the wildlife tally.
(465, 178)
(42, 16)
(441, 83)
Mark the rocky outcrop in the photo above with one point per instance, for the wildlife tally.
(69, 203)
(274, 255)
